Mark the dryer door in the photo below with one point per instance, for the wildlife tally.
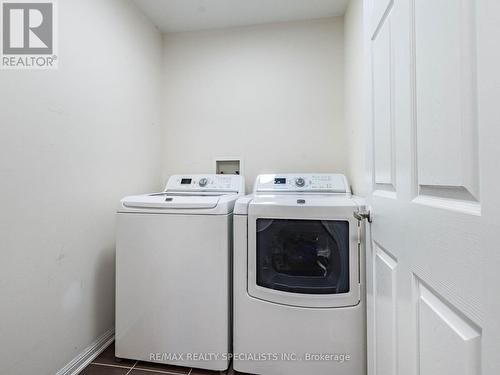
(304, 261)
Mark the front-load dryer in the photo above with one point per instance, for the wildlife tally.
(173, 272)
(299, 304)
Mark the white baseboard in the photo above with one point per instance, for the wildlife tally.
(78, 363)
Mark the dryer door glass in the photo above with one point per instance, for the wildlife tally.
(303, 256)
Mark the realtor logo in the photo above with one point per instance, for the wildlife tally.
(28, 35)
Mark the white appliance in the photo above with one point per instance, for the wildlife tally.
(299, 305)
(173, 279)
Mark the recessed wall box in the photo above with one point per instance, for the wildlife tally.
(228, 165)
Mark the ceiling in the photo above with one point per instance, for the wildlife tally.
(190, 15)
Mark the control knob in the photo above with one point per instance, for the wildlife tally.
(203, 182)
(300, 182)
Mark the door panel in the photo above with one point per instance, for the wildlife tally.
(382, 107)
(432, 257)
(380, 8)
(446, 113)
(449, 343)
(385, 311)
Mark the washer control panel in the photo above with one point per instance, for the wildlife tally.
(304, 182)
(206, 182)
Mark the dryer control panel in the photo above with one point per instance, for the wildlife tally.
(206, 182)
(302, 182)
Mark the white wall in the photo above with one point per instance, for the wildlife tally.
(72, 142)
(355, 90)
(271, 94)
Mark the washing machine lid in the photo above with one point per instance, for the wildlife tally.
(176, 203)
(171, 201)
(189, 194)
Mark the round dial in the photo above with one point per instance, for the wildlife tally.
(203, 182)
(300, 182)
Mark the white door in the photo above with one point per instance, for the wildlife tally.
(434, 260)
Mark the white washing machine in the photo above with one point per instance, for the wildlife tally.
(299, 290)
(173, 279)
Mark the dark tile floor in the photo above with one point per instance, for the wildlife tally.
(105, 364)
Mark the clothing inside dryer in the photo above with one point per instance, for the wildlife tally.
(303, 256)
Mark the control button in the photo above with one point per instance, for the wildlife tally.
(300, 182)
(203, 182)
